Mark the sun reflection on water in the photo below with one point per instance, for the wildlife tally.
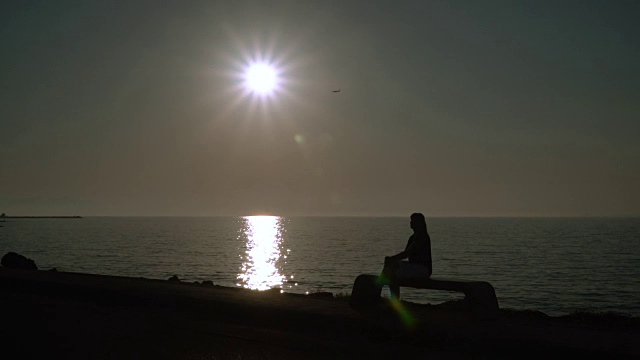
(259, 269)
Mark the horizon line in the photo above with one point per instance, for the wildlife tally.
(327, 215)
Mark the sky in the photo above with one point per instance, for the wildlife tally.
(449, 108)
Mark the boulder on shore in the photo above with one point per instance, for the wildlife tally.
(16, 261)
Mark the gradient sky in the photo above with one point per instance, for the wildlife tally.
(450, 108)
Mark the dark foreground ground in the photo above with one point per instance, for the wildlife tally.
(55, 315)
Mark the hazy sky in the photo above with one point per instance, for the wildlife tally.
(451, 108)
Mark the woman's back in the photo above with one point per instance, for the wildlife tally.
(421, 249)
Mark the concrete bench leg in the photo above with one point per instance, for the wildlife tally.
(366, 291)
(483, 301)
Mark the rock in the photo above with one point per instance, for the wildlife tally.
(174, 278)
(207, 282)
(321, 295)
(53, 270)
(16, 261)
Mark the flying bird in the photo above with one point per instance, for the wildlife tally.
(335, 91)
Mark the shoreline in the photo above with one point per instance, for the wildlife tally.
(122, 316)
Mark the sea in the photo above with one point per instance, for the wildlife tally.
(554, 265)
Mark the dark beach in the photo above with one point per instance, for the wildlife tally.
(88, 316)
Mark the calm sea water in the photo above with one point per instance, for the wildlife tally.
(554, 265)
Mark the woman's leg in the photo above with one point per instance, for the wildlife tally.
(394, 289)
(387, 272)
(405, 271)
(389, 276)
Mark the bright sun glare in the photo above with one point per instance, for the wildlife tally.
(261, 78)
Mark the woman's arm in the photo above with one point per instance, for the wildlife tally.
(404, 254)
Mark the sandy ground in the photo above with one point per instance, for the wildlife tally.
(56, 315)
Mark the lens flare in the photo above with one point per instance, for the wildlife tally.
(405, 316)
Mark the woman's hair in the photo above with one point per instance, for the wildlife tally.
(420, 223)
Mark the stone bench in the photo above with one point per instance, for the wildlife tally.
(480, 295)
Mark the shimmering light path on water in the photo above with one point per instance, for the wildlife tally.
(259, 269)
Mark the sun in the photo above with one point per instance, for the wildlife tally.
(261, 78)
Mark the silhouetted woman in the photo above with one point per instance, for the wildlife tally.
(417, 251)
